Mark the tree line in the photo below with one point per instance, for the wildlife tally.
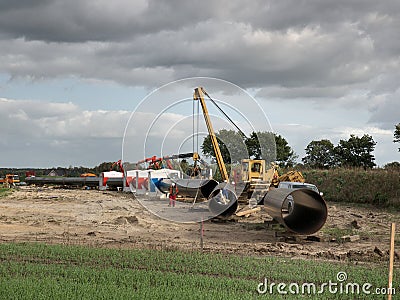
(60, 171)
(320, 154)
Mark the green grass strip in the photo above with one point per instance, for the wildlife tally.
(39, 271)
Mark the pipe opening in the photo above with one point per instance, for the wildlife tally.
(223, 200)
(302, 211)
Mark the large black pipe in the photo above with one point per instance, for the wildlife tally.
(200, 188)
(113, 183)
(223, 200)
(302, 211)
(79, 181)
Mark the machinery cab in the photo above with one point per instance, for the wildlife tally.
(253, 170)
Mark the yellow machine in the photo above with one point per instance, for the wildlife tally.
(293, 176)
(199, 95)
(10, 180)
(256, 176)
(254, 170)
(253, 174)
(88, 175)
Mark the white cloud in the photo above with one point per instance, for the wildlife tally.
(59, 120)
(38, 133)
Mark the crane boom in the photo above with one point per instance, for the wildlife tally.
(199, 95)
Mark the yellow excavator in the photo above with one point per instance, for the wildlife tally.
(254, 175)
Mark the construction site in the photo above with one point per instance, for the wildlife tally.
(95, 218)
(246, 210)
(266, 212)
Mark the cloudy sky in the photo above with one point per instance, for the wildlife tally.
(71, 72)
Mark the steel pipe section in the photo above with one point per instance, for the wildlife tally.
(200, 188)
(302, 211)
(223, 200)
(80, 181)
(113, 183)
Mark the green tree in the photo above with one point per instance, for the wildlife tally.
(356, 152)
(285, 156)
(395, 165)
(397, 134)
(231, 144)
(104, 167)
(320, 154)
(260, 145)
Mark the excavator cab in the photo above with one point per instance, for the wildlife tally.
(253, 169)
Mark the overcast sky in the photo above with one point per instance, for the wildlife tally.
(71, 72)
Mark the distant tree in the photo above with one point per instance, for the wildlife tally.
(260, 145)
(395, 165)
(320, 154)
(104, 167)
(356, 152)
(397, 134)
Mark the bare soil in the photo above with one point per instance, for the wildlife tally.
(114, 219)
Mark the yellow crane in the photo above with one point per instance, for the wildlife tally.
(199, 96)
(254, 173)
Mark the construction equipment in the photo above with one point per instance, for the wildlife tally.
(301, 211)
(223, 200)
(157, 163)
(119, 164)
(254, 176)
(199, 95)
(10, 180)
(292, 176)
(88, 175)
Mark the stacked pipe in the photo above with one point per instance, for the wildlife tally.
(80, 181)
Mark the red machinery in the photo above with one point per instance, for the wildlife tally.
(157, 163)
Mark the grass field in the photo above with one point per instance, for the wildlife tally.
(39, 271)
(4, 192)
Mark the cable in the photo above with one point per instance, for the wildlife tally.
(229, 119)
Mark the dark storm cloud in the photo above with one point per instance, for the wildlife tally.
(8, 6)
(321, 50)
(80, 21)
